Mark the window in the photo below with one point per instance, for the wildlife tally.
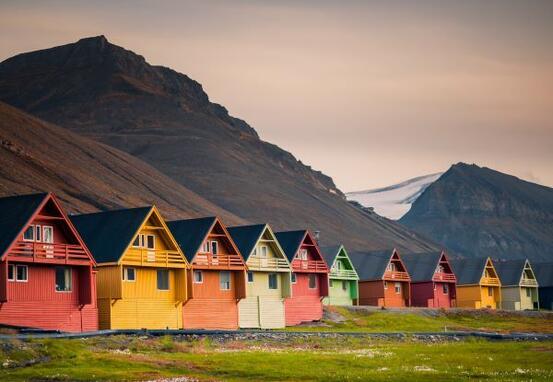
(293, 278)
(312, 281)
(250, 277)
(29, 234)
(490, 291)
(445, 288)
(254, 253)
(21, 273)
(330, 283)
(440, 269)
(273, 281)
(214, 247)
(63, 279)
(385, 284)
(302, 254)
(198, 277)
(528, 292)
(391, 267)
(38, 234)
(344, 285)
(397, 288)
(11, 272)
(136, 242)
(163, 279)
(224, 280)
(263, 251)
(129, 274)
(207, 248)
(150, 242)
(47, 234)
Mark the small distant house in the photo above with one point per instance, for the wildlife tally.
(309, 277)
(544, 276)
(268, 278)
(478, 285)
(519, 288)
(432, 279)
(46, 271)
(383, 278)
(218, 273)
(342, 284)
(141, 269)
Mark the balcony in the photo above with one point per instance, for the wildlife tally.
(309, 266)
(396, 275)
(268, 264)
(529, 282)
(26, 251)
(154, 258)
(447, 277)
(492, 281)
(343, 274)
(218, 261)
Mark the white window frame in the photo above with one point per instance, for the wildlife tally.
(227, 284)
(148, 236)
(207, 246)
(139, 238)
(275, 275)
(168, 280)
(12, 267)
(250, 273)
(397, 287)
(293, 278)
(38, 233)
(445, 288)
(32, 227)
(312, 276)
(528, 292)
(201, 278)
(47, 228)
(26, 273)
(126, 274)
(70, 280)
(214, 247)
(391, 267)
(302, 254)
(263, 251)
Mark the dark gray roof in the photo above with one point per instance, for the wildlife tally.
(371, 265)
(290, 241)
(421, 266)
(509, 271)
(15, 213)
(544, 274)
(246, 237)
(191, 233)
(468, 270)
(108, 234)
(330, 253)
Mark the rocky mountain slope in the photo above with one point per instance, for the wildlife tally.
(84, 174)
(395, 200)
(476, 211)
(165, 118)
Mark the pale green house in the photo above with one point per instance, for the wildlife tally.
(343, 279)
(268, 280)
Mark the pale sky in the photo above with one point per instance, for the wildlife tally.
(370, 93)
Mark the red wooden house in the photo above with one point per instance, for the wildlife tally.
(46, 271)
(309, 277)
(383, 278)
(217, 280)
(432, 279)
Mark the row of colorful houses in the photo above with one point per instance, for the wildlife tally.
(130, 269)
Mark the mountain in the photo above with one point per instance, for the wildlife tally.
(476, 211)
(84, 174)
(165, 118)
(393, 201)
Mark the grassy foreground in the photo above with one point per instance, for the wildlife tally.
(425, 320)
(307, 359)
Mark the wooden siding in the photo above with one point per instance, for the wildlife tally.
(338, 296)
(261, 312)
(476, 296)
(431, 295)
(373, 293)
(516, 298)
(305, 303)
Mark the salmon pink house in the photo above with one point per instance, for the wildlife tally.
(309, 277)
(46, 271)
(432, 280)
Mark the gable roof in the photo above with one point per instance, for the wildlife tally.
(510, 271)
(468, 271)
(15, 213)
(371, 265)
(544, 274)
(290, 241)
(108, 234)
(421, 266)
(191, 233)
(330, 253)
(246, 237)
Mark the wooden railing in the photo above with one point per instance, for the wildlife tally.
(210, 260)
(267, 263)
(396, 275)
(309, 266)
(489, 281)
(154, 258)
(343, 273)
(441, 276)
(529, 282)
(48, 252)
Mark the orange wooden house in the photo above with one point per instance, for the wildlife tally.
(217, 280)
(383, 278)
(309, 277)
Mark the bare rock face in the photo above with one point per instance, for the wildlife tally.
(114, 96)
(477, 211)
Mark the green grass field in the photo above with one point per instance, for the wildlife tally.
(312, 359)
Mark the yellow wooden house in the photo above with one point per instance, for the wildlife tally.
(268, 277)
(478, 285)
(142, 278)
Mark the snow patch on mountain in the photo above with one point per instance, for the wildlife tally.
(394, 201)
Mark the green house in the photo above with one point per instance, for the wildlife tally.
(343, 278)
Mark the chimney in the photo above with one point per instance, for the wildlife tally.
(317, 235)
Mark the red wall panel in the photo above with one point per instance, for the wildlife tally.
(305, 303)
